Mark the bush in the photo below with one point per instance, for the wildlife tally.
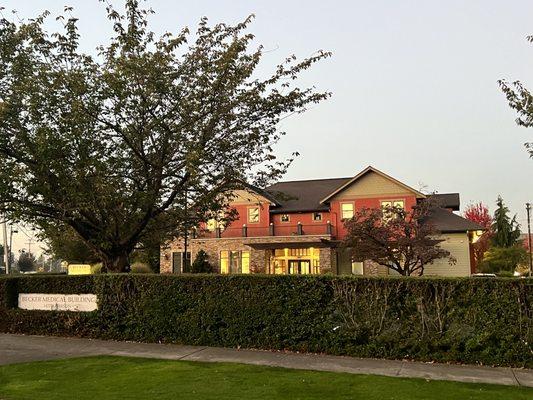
(201, 264)
(96, 268)
(487, 321)
(498, 259)
(140, 268)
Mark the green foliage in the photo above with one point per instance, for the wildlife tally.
(147, 138)
(498, 259)
(201, 264)
(65, 243)
(96, 268)
(487, 321)
(140, 268)
(506, 231)
(26, 262)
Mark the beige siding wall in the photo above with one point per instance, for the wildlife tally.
(242, 197)
(371, 184)
(458, 245)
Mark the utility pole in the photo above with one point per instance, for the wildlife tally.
(6, 249)
(528, 209)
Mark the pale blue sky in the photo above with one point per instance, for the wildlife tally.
(414, 84)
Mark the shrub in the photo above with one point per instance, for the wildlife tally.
(498, 259)
(487, 321)
(140, 268)
(201, 264)
(96, 268)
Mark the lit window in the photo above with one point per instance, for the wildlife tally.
(211, 225)
(317, 216)
(285, 218)
(234, 262)
(253, 215)
(388, 204)
(357, 268)
(347, 210)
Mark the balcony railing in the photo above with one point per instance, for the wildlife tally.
(271, 230)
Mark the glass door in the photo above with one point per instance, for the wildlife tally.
(299, 267)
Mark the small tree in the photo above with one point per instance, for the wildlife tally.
(508, 259)
(506, 231)
(479, 213)
(404, 241)
(201, 264)
(26, 262)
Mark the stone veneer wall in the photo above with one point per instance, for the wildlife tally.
(258, 258)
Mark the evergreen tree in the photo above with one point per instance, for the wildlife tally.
(201, 264)
(506, 231)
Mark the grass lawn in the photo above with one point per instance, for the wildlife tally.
(104, 378)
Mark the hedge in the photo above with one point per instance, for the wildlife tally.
(484, 321)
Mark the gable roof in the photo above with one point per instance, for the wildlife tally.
(363, 173)
(303, 196)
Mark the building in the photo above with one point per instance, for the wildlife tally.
(295, 227)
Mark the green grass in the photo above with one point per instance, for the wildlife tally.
(104, 378)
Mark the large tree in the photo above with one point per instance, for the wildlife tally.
(148, 135)
(403, 240)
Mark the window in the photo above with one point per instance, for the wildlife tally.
(399, 204)
(299, 252)
(317, 217)
(357, 268)
(346, 210)
(393, 203)
(253, 215)
(180, 263)
(234, 262)
(285, 218)
(211, 225)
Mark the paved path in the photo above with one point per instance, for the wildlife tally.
(18, 348)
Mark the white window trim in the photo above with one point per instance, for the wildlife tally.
(353, 208)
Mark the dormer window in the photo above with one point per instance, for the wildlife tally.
(285, 218)
(317, 217)
(253, 215)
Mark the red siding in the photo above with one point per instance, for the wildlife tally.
(375, 202)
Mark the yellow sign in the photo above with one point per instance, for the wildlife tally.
(79, 269)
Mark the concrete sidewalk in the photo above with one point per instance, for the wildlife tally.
(18, 348)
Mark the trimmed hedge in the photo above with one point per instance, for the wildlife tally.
(486, 321)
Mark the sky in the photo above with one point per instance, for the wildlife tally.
(414, 85)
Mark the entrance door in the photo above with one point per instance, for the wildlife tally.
(299, 267)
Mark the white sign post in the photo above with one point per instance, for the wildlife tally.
(57, 302)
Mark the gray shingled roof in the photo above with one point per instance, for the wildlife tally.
(447, 200)
(303, 196)
(448, 222)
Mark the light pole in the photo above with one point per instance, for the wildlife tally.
(6, 250)
(528, 209)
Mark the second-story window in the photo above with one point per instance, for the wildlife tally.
(253, 215)
(387, 205)
(317, 217)
(346, 210)
(285, 218)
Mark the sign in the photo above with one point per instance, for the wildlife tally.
(79, 269)
(57, 302)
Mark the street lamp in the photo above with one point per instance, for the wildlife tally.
(528, 209)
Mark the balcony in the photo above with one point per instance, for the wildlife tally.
(279, 230)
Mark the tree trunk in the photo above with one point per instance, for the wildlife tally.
(117, 262)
